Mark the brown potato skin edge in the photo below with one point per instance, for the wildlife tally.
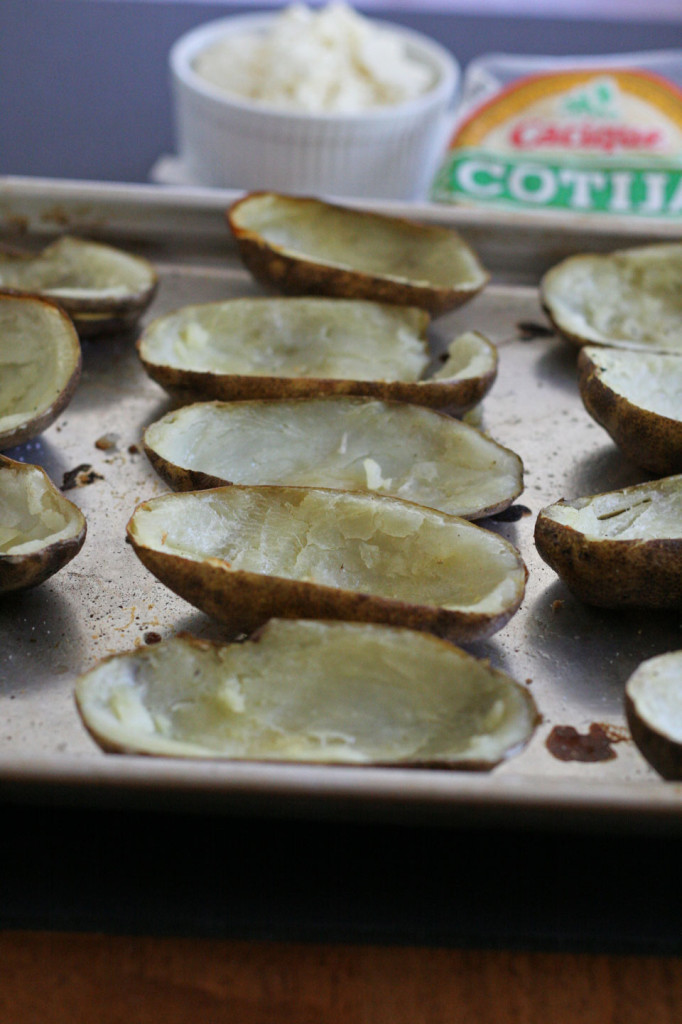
(613, 573)
(651, 441)
(245, 601)
(663, 754)
(35, 426)
(110, 320)
(22, 572)
(294, 276)
(179, 478)
(454, 396)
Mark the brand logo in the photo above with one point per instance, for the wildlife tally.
(482, 177)
(537, 133)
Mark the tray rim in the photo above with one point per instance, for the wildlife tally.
(338, 792)
(42, 197)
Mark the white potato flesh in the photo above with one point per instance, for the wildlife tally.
(647, 511)
(75, 269)
(630, 298)
(313, 692)
(33, 513)
(469, 355)
(39, 354)
(319, 338)
(357, 542)
(655, 689)
(343, 443)
(648, 380)
(341, 237)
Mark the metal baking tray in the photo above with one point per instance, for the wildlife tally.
(574, 659)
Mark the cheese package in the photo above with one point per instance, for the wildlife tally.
(583, 135)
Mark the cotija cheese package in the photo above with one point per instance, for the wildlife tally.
(587, 135)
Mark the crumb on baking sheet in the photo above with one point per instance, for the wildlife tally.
(106, 442)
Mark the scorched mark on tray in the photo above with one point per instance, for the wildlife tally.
(81, 476)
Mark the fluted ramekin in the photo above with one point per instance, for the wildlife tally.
(389, 152)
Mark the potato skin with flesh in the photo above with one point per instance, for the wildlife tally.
(455, 396)
(179, 477)
(23, 572)
(662, 753)
(651, 441)
(36, 422)
(34, 426)
(245, 601)
(92, 315)
(30, 569)
(296, 651)
(409, 435)
(613, 573)
(294, 275)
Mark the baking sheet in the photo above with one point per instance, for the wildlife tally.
(574, 659)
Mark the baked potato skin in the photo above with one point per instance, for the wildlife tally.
(245, 601)
(92, 316)
(651, 441)
(613, 573)
(662, 753)
(179, 478)
(294, 275)
(23, 572)
(185, 386)
(35, 425)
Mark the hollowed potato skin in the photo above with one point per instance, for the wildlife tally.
(613, 573)
(24, 571)
(651, 441)
(662, 753)
(454, 396)
(93, 316)
(295, 275)
(245, 601)
(36, 423)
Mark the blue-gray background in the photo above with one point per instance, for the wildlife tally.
(84, 89)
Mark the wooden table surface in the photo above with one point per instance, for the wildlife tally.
(115, 915)
(81, 979)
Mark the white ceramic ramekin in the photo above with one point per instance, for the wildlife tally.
(385, 153)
